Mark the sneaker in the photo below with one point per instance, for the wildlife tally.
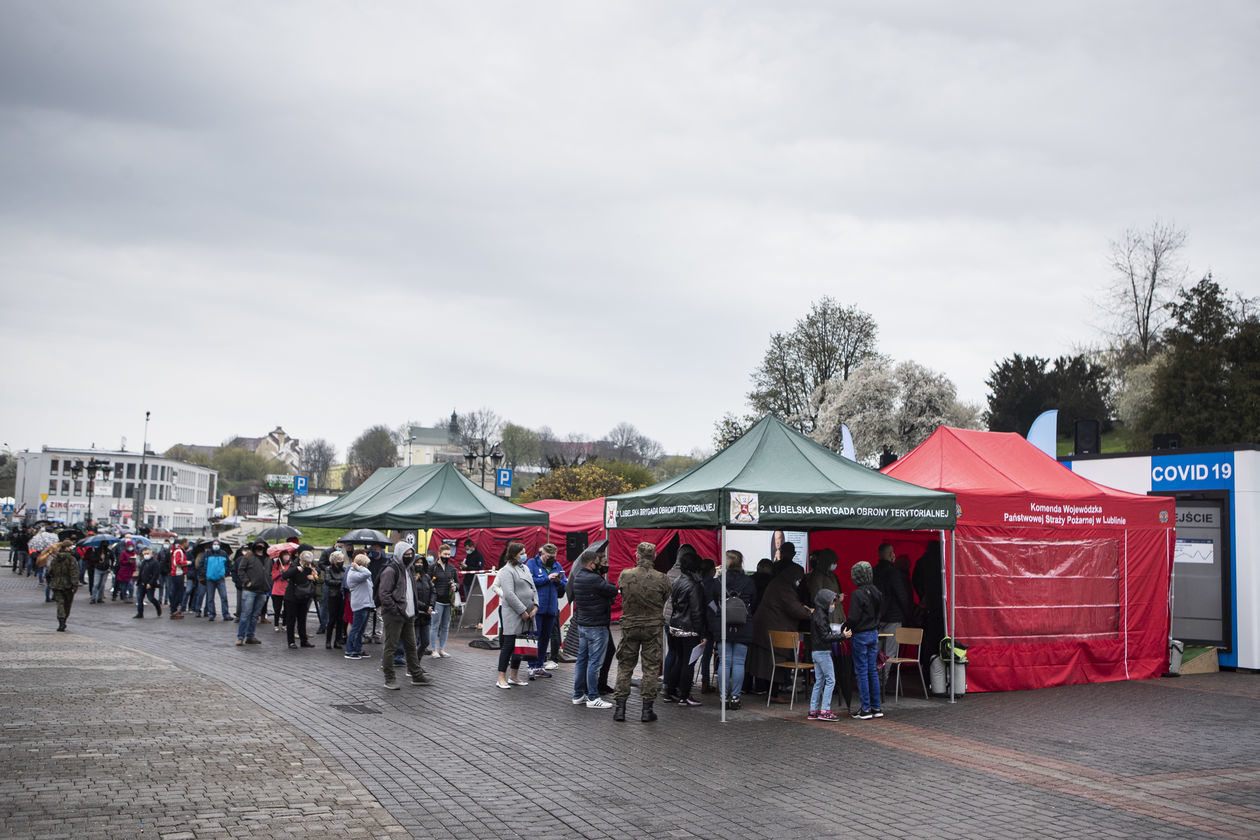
(598, 703)
(422, 679)
(444, 655)
(351, 656)
(828, 716)
(392, 685)
(812, 715)
(863, 714)
(539, 672)
(551, 665)
(578, 701)
(240, 643)
(732, 705)
(435, 655)
(877, 713)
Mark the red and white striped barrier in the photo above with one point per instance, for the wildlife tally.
(490, 613)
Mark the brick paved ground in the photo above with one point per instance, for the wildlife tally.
(1162, 758)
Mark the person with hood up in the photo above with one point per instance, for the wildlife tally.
(822, 635)
(357, 584)
(780, 609)
(147, 582)
(398, 613)
(255, 575)
(423, 582)
(298, 593)
(102, 561)
(864, 610)
(215, 563)
(687, 626)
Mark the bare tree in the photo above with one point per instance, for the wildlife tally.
(1147, 267)
(825, 345)
(317, 456)
(479, 426)
(622, 438)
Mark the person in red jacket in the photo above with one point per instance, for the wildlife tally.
(179, 571)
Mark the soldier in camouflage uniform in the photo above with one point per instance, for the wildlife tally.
(63, 579)
(644, 592)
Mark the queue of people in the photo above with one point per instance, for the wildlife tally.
(667, 627)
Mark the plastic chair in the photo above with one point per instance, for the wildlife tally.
(782, 640)
(913, 637)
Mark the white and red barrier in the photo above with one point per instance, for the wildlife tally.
(490, 613)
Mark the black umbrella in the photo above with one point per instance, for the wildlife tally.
(204, 545)
(364, 536)
(70, 534)
(279, 532)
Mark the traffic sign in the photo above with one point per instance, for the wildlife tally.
(7, 509)
(279, 480)
(43, 508)
(299, 485)
(43, 497)
(505, 478)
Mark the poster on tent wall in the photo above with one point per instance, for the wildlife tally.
(780, 509)
(756, 544)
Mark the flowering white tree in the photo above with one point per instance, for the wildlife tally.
(886, 405)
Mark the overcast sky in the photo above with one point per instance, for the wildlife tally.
(325, 216)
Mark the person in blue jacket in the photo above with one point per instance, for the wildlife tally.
(549, 580)
(216, 566)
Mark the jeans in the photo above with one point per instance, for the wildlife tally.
(192, 601)
(250, 608)
(211, 587)
(98, 588)
(544, 623)
(125, 590)
(399, 629)
(591, 644)
(354, 642)
(824, 681)
(865, 645)
(142, 591)
(175, 594)
(439, 626)
(733, 663)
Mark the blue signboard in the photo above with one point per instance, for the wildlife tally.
(299, 485)
(7, 509)
(1199, 471)
(43, 508)
(505, 478)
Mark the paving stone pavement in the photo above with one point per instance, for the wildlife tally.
(459, 758)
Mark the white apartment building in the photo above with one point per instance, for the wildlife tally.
(174, 495)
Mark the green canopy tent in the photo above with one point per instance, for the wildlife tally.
(418, 498)
(774, 477)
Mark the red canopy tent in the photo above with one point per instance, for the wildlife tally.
(566, 517)
(1054, 579)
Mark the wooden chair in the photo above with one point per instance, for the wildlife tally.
(783, 641)
(908, 637)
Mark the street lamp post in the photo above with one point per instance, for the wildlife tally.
(483, 453)
(137, 507)
(92, 466)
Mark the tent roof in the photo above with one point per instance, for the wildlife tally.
(571, 516)
(422, 496)
(1001, 478)
(776, 477)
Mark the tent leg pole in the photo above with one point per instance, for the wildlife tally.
(949, 596)
(722, 687)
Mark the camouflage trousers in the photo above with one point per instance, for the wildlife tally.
(64, 598)
(639, 643)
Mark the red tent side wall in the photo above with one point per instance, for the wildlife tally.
(1072, 606)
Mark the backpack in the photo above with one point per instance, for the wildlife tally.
(736, 611)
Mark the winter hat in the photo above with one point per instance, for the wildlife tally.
(862, 573)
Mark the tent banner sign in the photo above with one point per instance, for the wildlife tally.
(795, 510)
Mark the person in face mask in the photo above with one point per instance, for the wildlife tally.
(822, 575)
(216, 566)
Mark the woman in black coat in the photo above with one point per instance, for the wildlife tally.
(300, 577)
